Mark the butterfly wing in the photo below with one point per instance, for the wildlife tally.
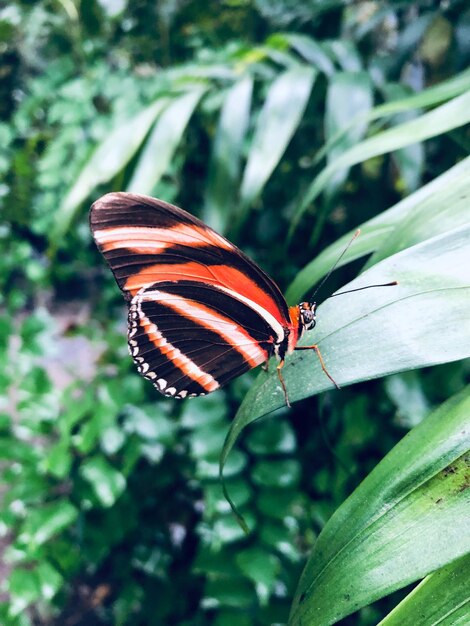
(200, 311)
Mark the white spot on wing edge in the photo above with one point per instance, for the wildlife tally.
(180, 360)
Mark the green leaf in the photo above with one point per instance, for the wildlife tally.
(345, 52)
(446, 90)
(261, 568)
(23, 588)
(451, 115)
(408, 518)
(278, 120)
(311, 51)
(443, 599)
(43, 523)
(436, 94)
(107, 483)
(386, 331)
(441, 205)
(50, 580)
(445, 210)
(410, 159)
(349, 96)
(224, 170)
(107, 160)
(163, 141)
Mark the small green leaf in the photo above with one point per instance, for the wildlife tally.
(163, 141)
(107, 483)
(278, 120)
(281, 474)
(443, 599)
(50, 581)
(43, 523)
(260, 567)
(23, 588)
(408, 518)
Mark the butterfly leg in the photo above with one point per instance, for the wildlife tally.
(322, 363)
(281, 380)
(265, 366)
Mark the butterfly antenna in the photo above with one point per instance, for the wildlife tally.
(335, 265)
(341, 293)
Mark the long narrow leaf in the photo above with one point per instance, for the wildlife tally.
(349, 96)
(163, 142)
(408, 518)
(422, 321)
(279, 118)
(451, 115)
(224, 169)
(443, 599)
(108, 159)
(431, 96)
(311, 51)
(433, 203)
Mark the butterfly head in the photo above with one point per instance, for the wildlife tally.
(307, 313)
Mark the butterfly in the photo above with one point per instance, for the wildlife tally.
(200, 311)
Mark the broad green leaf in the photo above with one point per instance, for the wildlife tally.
(408, 518)
(441, 599)
(422, 321)
(108, 159)
(278, 120)
(349, 96)
(446, 209)
(451, 115)
(441, 205)
(43, 523)
(163, 141)
(224, 170)
(107, 483)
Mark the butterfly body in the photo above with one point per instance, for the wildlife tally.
(200, 311)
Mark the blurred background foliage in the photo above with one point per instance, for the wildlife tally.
(112, 511)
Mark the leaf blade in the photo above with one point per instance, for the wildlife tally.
(163, 141)
(375, 233)
(279, 118)
(397, 525)
(366, 339)
(441, 598)
(453, 114)
(110, 156)
(224, 169)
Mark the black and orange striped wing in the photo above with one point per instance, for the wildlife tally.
(200, 311)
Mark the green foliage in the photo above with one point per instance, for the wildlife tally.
(112, 511)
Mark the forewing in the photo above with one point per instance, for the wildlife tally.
(146, 241)
(200, 311)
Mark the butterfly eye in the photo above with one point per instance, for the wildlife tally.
(307, 313)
